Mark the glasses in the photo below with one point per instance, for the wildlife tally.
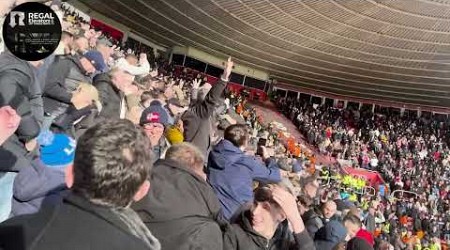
(153, 125)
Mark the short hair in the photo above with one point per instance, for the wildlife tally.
(146, 96)
(353, 219)
(237, 134)
(188, 155)
(66, 34)
(112, 161)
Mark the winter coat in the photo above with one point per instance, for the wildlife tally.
(34, 185)
(181, 209)
(19, 90)
(111, 97)
(330, 235)
(241, 236)
(231, 174)
(64, 77)
(74, 224)
(312, 222)
(196, 122)
(75, 122)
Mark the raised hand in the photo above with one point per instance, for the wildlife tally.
(227, 71)
(181, 84)
(288, 203)
(142, 57)
(196, 83)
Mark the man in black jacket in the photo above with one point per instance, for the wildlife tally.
(63, 78)
(117, 93)
(109, 173)
(181, 209)
(196, 122)
(273, 223)
(18, 89)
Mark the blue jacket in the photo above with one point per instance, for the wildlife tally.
(35, 184)
(231, 174)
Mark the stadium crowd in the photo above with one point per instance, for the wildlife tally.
(102, 149)
(411, 153)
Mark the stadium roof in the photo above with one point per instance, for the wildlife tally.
(393, 50)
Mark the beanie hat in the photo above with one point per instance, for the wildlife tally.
(96, 59)
(174, 135)
(155, 113)
(59, 152)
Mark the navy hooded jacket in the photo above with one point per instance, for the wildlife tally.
(34, 185)
(231, 174)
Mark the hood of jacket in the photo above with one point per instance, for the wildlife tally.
(224, 154)
(8, 61)
(38, 181)
(176, 193)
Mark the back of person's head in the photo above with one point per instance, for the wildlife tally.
(358, 244)
(112, 163)
(237, 134)
(188, 155)
(353, 224)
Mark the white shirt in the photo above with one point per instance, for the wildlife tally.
(142, 69)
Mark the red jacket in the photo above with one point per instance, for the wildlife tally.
(365, 235)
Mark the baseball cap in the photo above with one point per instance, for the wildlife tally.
(96, 59)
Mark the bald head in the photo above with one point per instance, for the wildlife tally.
(329, 209)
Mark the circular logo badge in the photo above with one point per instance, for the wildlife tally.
(32, 31)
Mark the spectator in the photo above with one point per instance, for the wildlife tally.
(358, 244)
(117, 93)
(82, 113)
(330, 235)
(104, 46)
(44, 179)
(179, 179)
(231, 171)
(63, 78)
(328, 211)
(131, 64)
(197, 127)
(266, 224)
(19, 90)
(80, 45)
(153, 121)
(369, 221)
(9, 121)
(110, 171)
(354, 228)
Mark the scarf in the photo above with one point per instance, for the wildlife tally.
(136, 227)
